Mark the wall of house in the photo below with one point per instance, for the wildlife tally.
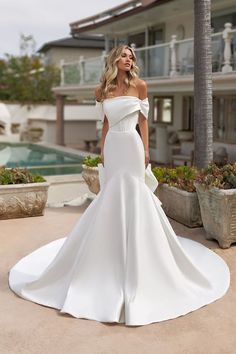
(54, 55)
(186, 18)
(172, 25)
(75, 131)
(163, 150)
(80, 122)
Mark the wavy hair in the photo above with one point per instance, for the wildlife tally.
(109, 75)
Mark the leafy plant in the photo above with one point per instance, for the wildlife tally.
(38, 179)
(91, 161)
(181, 177)
(223, 177)
(18, 176)
(27, 80)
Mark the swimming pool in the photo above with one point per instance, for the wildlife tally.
(42, 159)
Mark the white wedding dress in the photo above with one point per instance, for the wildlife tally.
(122, 262)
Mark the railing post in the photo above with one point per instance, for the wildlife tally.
(62, 63)
(173, 56)
(227, 36)
(81, 66)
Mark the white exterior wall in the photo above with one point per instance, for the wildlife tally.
(171, 25)
(55, 55)
(80, 121)
(162, 152)
(75, 131)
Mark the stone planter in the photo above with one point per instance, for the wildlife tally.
(91, 177)
(218, 210)
(180, 205)
(23, 200)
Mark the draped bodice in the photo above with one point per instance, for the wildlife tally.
(122, 111)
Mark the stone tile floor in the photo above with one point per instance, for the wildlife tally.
(29, 328)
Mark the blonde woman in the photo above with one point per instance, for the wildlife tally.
(120, 78)
(122, 261)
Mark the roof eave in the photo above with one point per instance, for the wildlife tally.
(86, 28)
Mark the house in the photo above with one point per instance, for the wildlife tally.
(80, 123)
(72, 48)
(80, 120)
(161, 32)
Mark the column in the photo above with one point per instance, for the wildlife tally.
(60, 119)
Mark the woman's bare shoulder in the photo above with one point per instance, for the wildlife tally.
(142, 88)
(98, 92)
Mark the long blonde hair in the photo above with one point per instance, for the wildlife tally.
(109, 75)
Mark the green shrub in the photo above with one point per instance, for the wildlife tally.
(18, 176)
(223, 177)
(91, 161)
(181, 177)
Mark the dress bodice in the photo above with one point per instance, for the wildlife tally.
(118, 108)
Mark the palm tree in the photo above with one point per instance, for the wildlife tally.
(203, 121)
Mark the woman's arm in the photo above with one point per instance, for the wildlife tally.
(105, 126)
(104, 133)
(143, 123)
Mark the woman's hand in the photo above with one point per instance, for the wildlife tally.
(147, 158)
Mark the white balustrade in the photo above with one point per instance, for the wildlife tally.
(62, 63)
(227, 36)
(175, 58)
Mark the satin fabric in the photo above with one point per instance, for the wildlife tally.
(122, 261)
(149, 178)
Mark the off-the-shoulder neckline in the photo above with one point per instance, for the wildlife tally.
(112, 98)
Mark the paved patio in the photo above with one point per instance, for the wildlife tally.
(29, 328)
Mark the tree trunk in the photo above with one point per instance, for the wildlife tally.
(203, 121)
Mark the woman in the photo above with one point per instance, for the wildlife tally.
(122, 261)
(121, 78)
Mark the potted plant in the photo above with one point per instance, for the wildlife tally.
(178, 195)
(90, 172)
(93, 174)
(22, 194)
(216, 189)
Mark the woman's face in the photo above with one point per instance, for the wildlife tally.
(126, 60)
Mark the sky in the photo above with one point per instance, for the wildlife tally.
(46, 20)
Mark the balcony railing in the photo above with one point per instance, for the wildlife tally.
(175, 58)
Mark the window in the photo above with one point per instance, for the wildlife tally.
(224, 113)
(188, 113)
(163, 109)
(138, 39)
(156, 35)
(218, 22)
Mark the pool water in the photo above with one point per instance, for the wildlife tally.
(40, 159)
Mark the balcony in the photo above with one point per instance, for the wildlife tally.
(172, 59)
